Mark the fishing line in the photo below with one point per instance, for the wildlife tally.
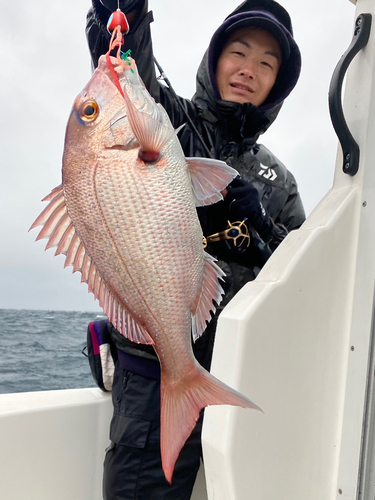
(118, 26)
(164, 77)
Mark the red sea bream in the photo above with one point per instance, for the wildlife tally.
(125, 217)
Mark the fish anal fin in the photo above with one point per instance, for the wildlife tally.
(180, 408)
(211, 291)
(209, 177)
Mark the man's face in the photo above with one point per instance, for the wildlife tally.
(248, 65)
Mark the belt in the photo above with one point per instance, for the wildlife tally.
(139, 365)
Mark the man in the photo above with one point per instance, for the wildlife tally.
(250, 67)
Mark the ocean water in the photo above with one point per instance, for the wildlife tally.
(42, 350)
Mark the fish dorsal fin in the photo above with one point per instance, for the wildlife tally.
(127, 326)
(211, 291)
(59, 229)
(209, 177)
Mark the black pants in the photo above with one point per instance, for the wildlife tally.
(132, 466)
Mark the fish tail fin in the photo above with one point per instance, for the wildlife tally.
(180, 408)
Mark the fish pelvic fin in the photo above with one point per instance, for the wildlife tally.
(211, 291)
(181, 405)
(209, 177)
(59, 229)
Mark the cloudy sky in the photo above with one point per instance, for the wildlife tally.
(45, 64)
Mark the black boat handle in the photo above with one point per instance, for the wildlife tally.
(350, 148)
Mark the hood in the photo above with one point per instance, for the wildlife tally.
(251, 120)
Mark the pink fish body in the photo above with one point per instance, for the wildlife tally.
(131, 228)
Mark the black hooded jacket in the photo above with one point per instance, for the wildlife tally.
(230, 130)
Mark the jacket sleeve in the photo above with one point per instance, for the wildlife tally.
(292, 215)
(139, 41)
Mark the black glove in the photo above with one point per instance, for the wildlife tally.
(243, 201)
(125, 5)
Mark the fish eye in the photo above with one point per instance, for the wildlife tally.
(89, 111)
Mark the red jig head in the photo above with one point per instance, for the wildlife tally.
(118, 18)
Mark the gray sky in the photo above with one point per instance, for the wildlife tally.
(45, 64)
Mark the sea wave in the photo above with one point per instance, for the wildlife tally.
(42, 350)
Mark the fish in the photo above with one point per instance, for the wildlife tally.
(125, 217)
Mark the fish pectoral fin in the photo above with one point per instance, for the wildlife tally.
(152, 131)
(211, 291)
(209, 177)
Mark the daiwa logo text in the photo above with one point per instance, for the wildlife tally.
(268, 173)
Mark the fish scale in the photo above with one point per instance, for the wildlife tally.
(141, 235)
